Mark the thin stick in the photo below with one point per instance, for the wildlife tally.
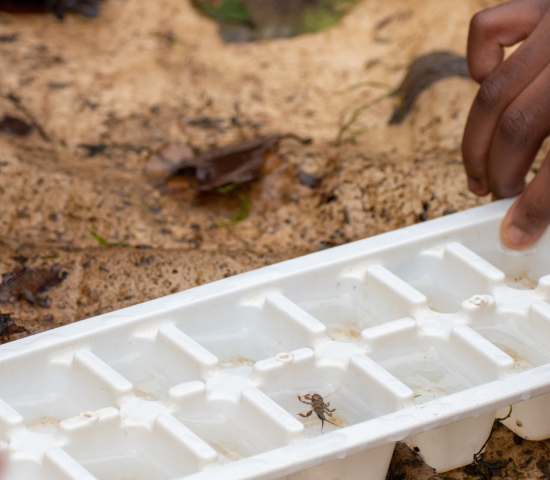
(19, 105)
(476, 455)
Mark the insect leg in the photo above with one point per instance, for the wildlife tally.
(303, 401)
(307, 414)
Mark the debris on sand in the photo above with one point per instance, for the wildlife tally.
(407, 463)
(244, 205)
(8, 327)
(219, 167)
(89, 8)
(15, 126)
(18, 103)
(28, 283)
(486, 468)
(423, 72)
(250, 20)
(93, 149)
(308, 180)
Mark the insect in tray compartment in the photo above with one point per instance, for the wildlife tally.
(319, 407)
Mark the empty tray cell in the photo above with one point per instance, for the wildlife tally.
(61, 388)
(523, 268)
(112, 450)
(435, 366)
(524, 337)
(23, 469)
(361, 300)
(448, 275)
(56, 465)
(240, 335)
(339, 306)
(341, 396)
(235, 427)
(156, 359)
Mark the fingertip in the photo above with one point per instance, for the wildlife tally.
(477, 187)
(515, 238)
(512, 234)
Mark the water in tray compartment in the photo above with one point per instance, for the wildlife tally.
(521, 281)
(149, 379)
(288, 399)
(526, 352)
(43, 414)
(128, 466)
(439, 298)
(426, 374)
(344, 321)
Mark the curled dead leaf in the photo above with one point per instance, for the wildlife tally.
(8, 327)
(234, 164)
(28, 283)
(89, 8)
(423, 72)
(15, 126)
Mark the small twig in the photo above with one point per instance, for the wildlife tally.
(14, 98)
(515, 468)
(477, 455)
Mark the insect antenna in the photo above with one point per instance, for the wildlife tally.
(332, 394)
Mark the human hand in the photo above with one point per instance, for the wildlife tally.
(510, 116)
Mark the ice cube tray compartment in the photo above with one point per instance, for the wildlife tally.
(423, 335)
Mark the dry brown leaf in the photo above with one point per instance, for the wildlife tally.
(15, 126)
(423, 72)
(90, 8)
(234, 164)
(28, 283)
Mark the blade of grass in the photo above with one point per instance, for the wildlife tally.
(344, 127)
(244, 204)
(104, 242)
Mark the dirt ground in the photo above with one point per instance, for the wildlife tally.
(145, 74)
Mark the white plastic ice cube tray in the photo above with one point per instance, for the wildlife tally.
(422, 334)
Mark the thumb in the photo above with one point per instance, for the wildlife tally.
(528, 217)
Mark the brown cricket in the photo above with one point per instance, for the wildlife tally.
(319, 407)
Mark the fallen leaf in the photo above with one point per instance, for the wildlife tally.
(423, 72)
(234, 164)
(9, 38)
(8, 326)
(28, 283)
(89, 8)
(15, 126)
(249, 20)
(167, 161)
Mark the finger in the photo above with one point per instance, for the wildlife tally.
(495, 94)
(518, 136)
(529, 216)
(502, 26)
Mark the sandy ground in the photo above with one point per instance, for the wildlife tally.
(142, 74)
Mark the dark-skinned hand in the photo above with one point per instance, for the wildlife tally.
(510, 116)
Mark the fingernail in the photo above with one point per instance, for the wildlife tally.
(517, 237)
(475, 186)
